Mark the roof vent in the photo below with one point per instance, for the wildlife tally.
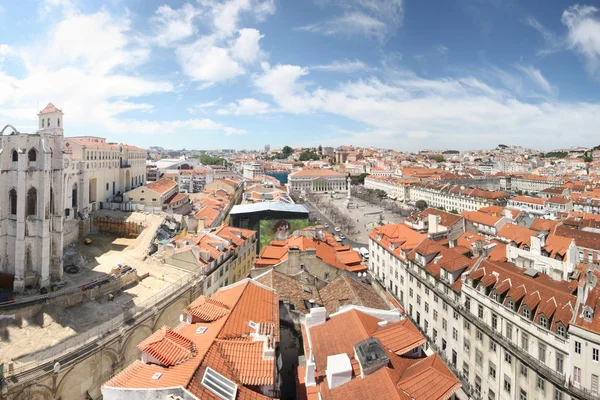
(382, 324)
(220, 386)
(156, 375)
(200, 330)
(370, 355)
(531, 272)
(252, 324)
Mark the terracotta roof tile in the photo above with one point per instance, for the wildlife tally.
(168, 346)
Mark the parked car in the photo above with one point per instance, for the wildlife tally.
(326, 225)
(342, 236)
(337, 229)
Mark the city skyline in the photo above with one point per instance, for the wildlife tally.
(236, 73)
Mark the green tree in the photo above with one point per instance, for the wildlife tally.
(309, 155)
(454, 211)
(421, 205)
(438, 158)
(286, 151)
(587, 159)
(359, 180)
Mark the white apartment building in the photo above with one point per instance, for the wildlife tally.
(507, 332)
(534, 183)
(253, 170)
(396, 188)
(194, 180)
(316, 180)
(454, 197)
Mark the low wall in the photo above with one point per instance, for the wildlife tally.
(119, 227)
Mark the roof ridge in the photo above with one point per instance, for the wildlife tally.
(351, 288)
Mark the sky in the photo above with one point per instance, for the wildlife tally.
(406, 75)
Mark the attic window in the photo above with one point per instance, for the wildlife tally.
(222, 387)
(200, 330)
(526, 312)
(307, 289)
(510, 304)
(560, 330)
(156, 376)
(543, 322)
(252, 324)
(587, 315)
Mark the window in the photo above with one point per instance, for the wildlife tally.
(480, 311)
(507, 357)
(492, 370)
(435, 315)
(12, 199)
(467, 325)
(492, 346)
(510, 304)
(445, 306)
(454, 334)
(479, 335)
(526, 312)
(419, 299)
(577, 347)
(426, 307)
(478, 385)
(74, 196)
(410, 292)
(559, 363)
(15, 156)
(541, 384)
(435, 298)
(32, 155)
(560, 330)
(434, 337)
(542, 352)
(466, 370)
(491, 395)
(455, 314)
(444, 324)
(595, 354)
(507, 384)
(524, 370)
(478, 357)
(577, 375)
(31, 202)
(443, 344)
(522, 395)
(543, 322)
(558, 395)
(525, 341)
(494, 322)
(466, 346)
(509, 331)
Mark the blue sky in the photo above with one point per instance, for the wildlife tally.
(400, 74)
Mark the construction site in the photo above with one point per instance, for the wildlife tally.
(110, 283)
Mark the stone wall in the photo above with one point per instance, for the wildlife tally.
(84, 370)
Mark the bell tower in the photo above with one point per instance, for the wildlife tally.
(50, 120)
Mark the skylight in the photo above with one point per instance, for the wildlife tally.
(200, 330)
(219, 385)
(252, 324)
(156, 376)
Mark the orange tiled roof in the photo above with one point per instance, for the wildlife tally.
(518, 234)
(481, 218)
(168, 346)
(162, 185)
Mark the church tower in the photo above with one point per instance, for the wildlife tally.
(50, 120)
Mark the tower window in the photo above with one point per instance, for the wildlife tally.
(15, 156)
(31, 202)
(58, 121)
(12, 199)
(32, 155)
(42, 122)
(48, 122)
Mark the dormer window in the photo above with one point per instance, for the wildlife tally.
(510, 304)
(588, 314)
(526, 312)
(560, 330)
(543, 322)
(495, 296)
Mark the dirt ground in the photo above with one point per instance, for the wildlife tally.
(55, 324)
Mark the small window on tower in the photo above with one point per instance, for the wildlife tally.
(58, 120)
(48, 122)
(42, 122)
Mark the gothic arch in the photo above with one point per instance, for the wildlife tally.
(31, 204)
(36, 391)
(14, 130)
(32, 155)
(129, 348)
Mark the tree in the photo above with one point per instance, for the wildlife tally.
(438, 158)
(286, 151)
(359, 180)
(454, 211)
(309, 155)
(587, 159)
(421, 205)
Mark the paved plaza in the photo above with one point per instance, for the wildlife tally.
(362, 213)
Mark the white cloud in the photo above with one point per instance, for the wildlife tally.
(453, 110)
(206, 62)
(171, 26)
(154, 127)
(419, 134)
(535, 75)
(584, 34)
(372, 18)
(226, 15)
(346, 66)
(248, 106)
(5, 50)
(246, 47)
(551, 42)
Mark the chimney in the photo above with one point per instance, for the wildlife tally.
(339, 370)
(316, 317)
(433, 223)
(370, 356)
